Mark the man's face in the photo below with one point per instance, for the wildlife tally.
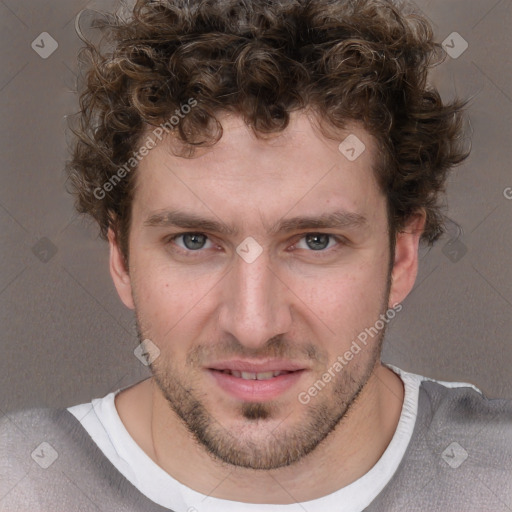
(211, 302)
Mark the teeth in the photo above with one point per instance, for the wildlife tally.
(255, 376)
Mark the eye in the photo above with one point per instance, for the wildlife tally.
(192, 242)
(318, 241)
(313, 242)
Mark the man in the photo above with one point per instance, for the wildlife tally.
(264, 174)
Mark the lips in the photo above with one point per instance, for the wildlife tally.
(254, 375)
(261, 381)
(271, 365)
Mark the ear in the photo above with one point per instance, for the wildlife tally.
(405, 267)
(118, 271)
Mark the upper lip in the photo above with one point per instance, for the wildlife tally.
(257, 367)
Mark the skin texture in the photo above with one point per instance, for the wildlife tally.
(293, 302)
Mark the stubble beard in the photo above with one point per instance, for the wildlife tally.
(284, 445)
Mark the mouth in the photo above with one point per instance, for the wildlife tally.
(252, 375)
(255, 382)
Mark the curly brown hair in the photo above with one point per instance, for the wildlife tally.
(347, 60)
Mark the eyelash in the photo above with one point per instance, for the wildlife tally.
(188, 252)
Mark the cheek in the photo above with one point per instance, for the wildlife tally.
(171, 303)
(346, 301)
(161, 300)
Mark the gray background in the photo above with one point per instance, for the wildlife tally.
(67, 338)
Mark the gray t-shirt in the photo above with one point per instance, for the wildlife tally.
(451, 452)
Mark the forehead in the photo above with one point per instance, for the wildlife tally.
(298, 170)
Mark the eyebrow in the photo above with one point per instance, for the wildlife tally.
(177, 218)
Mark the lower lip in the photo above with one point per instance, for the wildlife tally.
(255, 390)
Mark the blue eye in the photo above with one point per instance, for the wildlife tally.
(317, 241)
(191, 241)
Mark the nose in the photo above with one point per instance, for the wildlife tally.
(256, 303)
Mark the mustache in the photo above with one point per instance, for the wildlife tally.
(274, 349)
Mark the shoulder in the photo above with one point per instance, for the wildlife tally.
(461, 416)
(464, 405)
(29, 453)
(460, 454)
(25, 429)
(34, 435)
(47, 458)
